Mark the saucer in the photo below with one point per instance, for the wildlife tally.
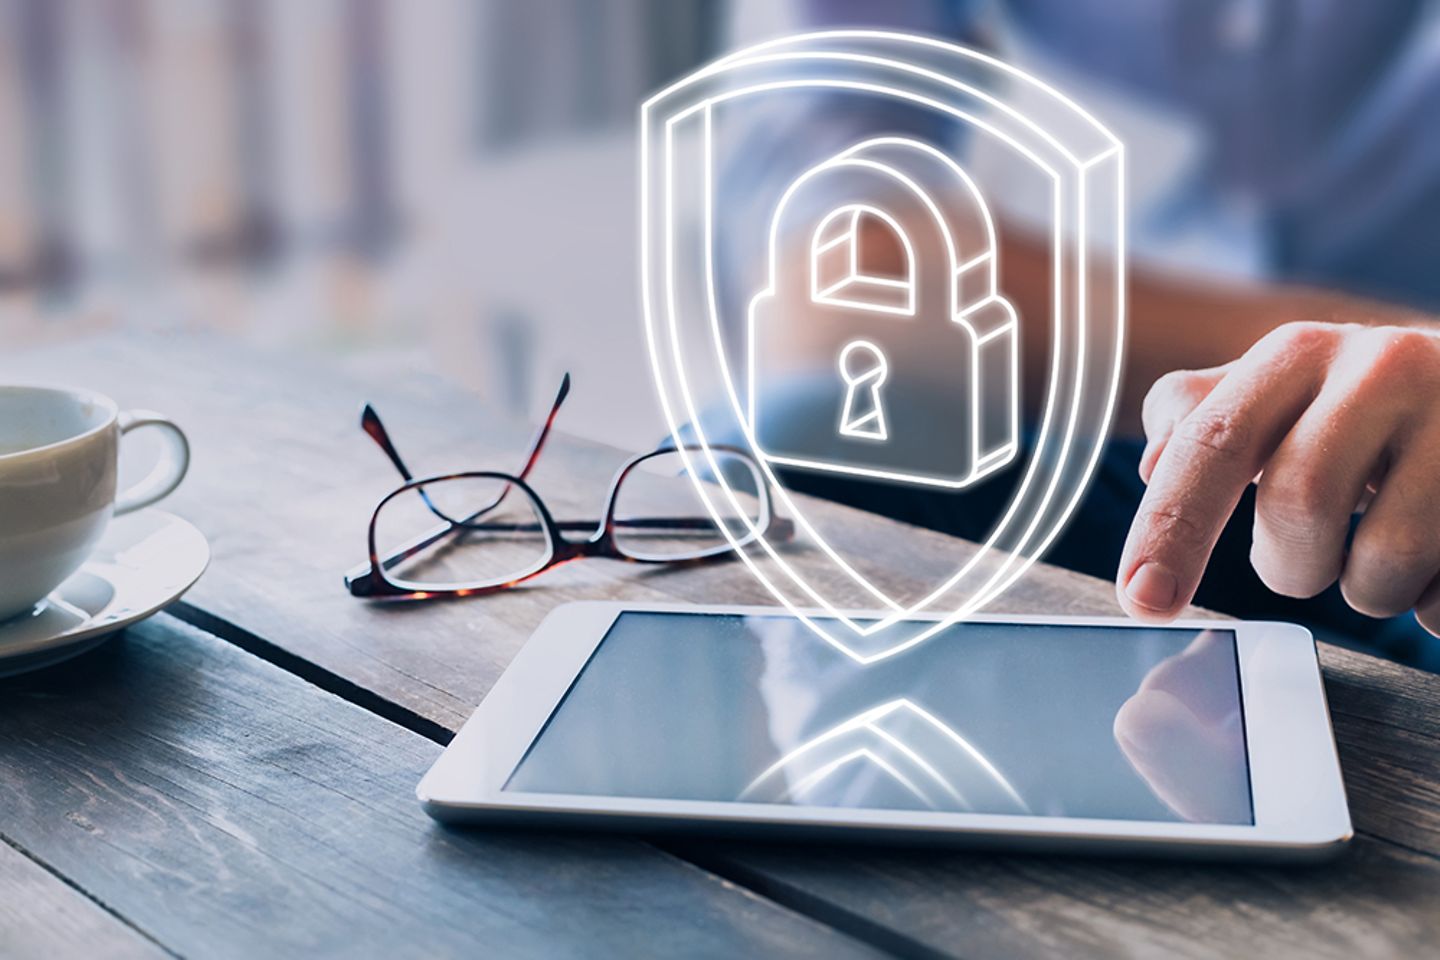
(145, 560)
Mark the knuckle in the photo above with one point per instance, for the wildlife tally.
(1224, 433)
(1397, 355)
(1283, 576)
(1292, 510)
(1301, 338)
(1166, 391)
(1169, 526)
(1363, 597)
(1405, 548)
(1379, 576)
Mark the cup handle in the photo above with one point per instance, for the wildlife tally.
(168, 473)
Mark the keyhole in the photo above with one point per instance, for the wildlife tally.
(863, 368)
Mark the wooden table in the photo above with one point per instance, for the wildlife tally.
(235, 777)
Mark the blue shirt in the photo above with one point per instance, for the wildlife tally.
(1318, 120)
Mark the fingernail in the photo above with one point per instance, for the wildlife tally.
(1152, 587)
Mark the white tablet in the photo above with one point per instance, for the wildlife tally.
(1060, 733)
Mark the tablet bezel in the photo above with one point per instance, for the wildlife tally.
(1296, 789)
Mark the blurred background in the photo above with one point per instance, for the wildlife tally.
(448, 185)
(451, 185)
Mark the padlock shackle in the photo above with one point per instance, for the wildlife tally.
(907, 173)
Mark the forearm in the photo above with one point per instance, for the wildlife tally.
(1181, 323)
(1174, 322)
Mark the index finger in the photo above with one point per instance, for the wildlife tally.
(1208, 461)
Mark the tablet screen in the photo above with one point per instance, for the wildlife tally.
(1130, 723)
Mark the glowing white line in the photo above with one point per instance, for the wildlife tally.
(852, 236)
(969, 748)
(814, 779)
(866, 305)
(728, 381)
(783, 493)
(830, 56)
(1113, 396)
(728, 378)
(851, 158)
(746, 55)
(855, 242)
(1067, 444)
(920, 762)
(828, 296)
(838, 730)
(975, 261)
(756, 534)
(985, 593)
(855, 426)
(868, 721)
(822, 294)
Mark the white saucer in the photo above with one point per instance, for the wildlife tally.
(145, 560)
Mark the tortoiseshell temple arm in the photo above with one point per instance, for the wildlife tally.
(374, 427)
(538, 443)
(370, 422)
(363, 577)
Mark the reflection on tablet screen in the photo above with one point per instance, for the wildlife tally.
(1070, 721)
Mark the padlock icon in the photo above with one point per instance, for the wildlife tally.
(911, 376)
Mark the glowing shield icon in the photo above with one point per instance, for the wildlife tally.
(712, 328)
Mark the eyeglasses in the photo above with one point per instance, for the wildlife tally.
(474, 533)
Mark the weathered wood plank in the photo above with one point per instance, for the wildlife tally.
(227, 808)
(1381, 898)
(42, 917)
(283, 483)
(1379, 901)
(276, 576)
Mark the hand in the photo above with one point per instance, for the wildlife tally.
(1327, 419)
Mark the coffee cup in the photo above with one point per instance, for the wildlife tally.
(59, 459)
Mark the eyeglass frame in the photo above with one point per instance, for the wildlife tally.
(370, 581)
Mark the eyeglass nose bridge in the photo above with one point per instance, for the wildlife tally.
(599, 543)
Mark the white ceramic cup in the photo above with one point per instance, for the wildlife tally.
(59, 456)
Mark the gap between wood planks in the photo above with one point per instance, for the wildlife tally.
(807, 904)
(401, 715)
(783, 895)
(101, 905)
(388, 709)
(326, 680)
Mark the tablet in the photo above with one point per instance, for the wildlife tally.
(1205, 738)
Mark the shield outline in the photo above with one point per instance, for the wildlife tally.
(678, 102)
